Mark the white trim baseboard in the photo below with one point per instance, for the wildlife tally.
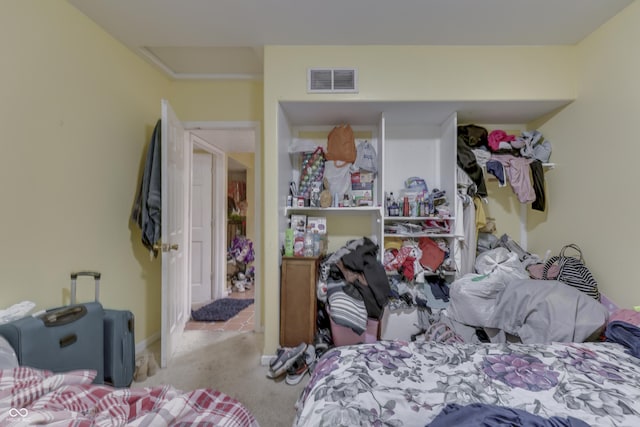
(266, 359)
(146, 343)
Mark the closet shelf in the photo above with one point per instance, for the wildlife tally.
(409, 236)
(356, 210)
(418, 218)
(490, 177)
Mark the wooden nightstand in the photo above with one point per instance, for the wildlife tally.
(298, 311)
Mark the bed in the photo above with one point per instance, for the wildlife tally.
(400, 383)
(31, 396)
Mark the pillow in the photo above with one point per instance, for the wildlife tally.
(348, 311)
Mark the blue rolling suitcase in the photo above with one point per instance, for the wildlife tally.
(119, 342)
(60, 339)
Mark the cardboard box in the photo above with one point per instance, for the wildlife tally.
(399, 324)
(299, 223)
(362, 186)
(318, 224)
(362, 197)
(362, 178)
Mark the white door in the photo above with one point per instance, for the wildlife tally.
(201, 220)
(174, 222)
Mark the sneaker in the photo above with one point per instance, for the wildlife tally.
(285, 359)
(275, 359)
(303, 364)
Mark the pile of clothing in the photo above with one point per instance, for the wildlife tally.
(514, 159)
(354, 285)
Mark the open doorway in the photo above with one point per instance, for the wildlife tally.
(234, 148)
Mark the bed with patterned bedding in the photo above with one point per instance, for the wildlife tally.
(414, 384)
(31, 396)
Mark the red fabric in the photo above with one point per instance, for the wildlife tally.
(432, 255)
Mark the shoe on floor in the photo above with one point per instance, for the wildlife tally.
(285, 359)
(277, 358)
(303, 364)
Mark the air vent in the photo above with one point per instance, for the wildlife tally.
(332, 80)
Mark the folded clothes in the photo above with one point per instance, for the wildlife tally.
(626, 334)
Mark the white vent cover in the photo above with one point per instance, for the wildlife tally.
(332, 80)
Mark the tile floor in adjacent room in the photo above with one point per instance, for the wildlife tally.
(242, 322)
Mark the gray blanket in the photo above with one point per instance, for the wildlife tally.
(545, 311)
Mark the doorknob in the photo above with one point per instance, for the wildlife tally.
(165, 247)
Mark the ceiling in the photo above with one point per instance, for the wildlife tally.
(225, 38)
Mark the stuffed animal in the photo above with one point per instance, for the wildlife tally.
(407, 262)
(325, 195)
(240, 254)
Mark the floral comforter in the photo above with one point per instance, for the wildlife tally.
(408, 384)
(31, 396)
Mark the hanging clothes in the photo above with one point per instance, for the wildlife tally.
(146, 212)
(517, 170)
(468, 162)
(537, 175)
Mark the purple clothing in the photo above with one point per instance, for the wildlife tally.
(626, 334)
(485, 415)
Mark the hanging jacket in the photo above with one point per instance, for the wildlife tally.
(468, 163)
(146, 212)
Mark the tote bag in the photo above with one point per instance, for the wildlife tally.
(341, 145)
(573, 271)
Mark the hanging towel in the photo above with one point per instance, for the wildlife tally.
(148, 204)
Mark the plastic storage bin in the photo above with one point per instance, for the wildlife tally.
(346, 336)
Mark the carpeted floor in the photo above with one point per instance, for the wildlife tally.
(229, 362)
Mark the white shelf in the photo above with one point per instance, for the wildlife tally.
(356, 210)
(409, 236)
(417, 218)
(490, 177)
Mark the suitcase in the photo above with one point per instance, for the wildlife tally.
(119, 342)
(60, 339)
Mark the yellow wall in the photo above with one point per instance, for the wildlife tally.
(217, 100)
(77, 110)
(594, 189)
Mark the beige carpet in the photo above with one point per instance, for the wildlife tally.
(229, 362)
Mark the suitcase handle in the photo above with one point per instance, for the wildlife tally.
(93, 274)
(74, 277)
(68, 340)
(63, 316)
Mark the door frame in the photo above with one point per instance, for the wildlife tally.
(221, 211)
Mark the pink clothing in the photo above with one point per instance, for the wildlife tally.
(626, 315)
(497, 136)
(517, 171)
